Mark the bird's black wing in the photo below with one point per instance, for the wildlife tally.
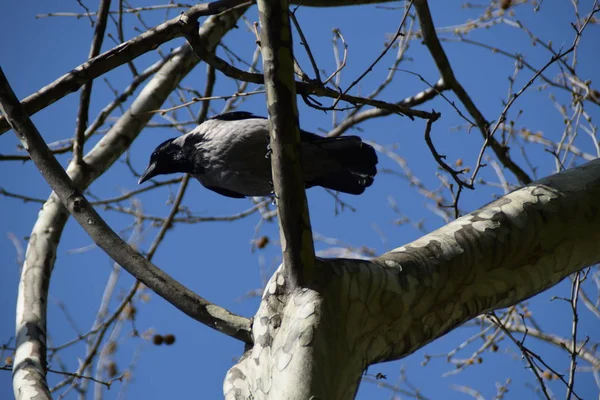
(225, 192)
(309, 137)
(235, 116)
(345, 164)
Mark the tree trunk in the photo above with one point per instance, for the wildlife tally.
(315, 342)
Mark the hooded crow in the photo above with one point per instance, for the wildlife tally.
(228, 154)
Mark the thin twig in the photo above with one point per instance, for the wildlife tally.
(304, 43)
(342, 63)
(573, 350)
(126, 11)
(383, 53)
(86, 90)
(514, 97)
(432, 42)
(494, 318)
(207, 98)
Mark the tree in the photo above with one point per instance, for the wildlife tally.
(321, 322)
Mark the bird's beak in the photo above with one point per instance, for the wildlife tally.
(148, 173)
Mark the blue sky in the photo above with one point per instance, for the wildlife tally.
(215, 259)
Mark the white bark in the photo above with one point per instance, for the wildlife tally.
(29, 376)
(317, 341)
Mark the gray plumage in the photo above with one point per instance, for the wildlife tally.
(228, 154)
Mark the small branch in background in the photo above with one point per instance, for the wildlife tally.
(75, 376)
(19, 249)
(304, 43)
(412, 101)
(455, 174)
(524, 350)
(236, 102)
(440, 93)
(515, 96)
(86, 89)
(207, 98)
(469, 391)
(194, 219)
(87, 12)
(26, 199)
(211, 78)
(573, 350)
(120, 55)
(411, 392)
(432, 42)
(302, 88)
(121, 35)
(131, 193)
(124, 11)
(383, 53)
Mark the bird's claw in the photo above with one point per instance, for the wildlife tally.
(269, 151)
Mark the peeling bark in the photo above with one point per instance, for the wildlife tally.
(316, 341)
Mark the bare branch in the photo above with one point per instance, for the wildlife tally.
(383, 53)
(303, 88)
(304, 43)
(573, 350)
(86, 90)
(435, 48)
(556, 57)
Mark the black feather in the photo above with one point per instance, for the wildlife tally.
(235, 116)
(358, 164)
(225, 192)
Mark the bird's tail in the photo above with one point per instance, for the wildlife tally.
(358, 161)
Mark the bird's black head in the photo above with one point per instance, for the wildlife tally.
(167, 158)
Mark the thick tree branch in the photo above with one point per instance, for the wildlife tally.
(46, 233)
(288, 178)
(85, 214)
(364, 312)
(501, 254)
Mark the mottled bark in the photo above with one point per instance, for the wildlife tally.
(288, 180)
(316, 341)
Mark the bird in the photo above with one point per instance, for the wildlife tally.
(229, 154)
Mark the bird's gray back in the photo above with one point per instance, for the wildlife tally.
(234, 155)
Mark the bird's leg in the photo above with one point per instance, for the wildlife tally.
(268, 155)
(275, 198)
(269, 148)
